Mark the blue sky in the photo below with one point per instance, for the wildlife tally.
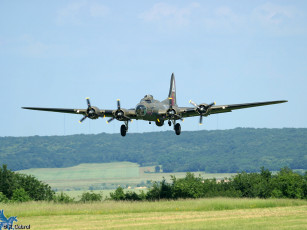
(57, 53)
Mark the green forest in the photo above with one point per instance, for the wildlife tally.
(216, 151)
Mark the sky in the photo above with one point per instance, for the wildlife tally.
(57, 53)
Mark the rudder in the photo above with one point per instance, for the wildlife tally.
(172, 90)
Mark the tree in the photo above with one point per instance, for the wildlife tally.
(3, 198)
(20, 195)
(90, 197)
(62, 198)
(118, 194)
(10, 181)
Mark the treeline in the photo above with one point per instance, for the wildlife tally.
(20, 187)
(16, 187)
(284, 184)
(222, 151)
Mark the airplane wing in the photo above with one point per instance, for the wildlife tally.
(107, 113)
(191, 112)
(59, 110)
(130, 113)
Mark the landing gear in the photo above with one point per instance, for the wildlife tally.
(177, 128)
(169, 123)
(124, 129)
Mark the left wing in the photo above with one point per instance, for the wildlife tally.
(191, 112)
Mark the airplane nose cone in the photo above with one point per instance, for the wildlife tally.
(141, 110)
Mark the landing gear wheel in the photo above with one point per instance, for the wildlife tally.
(169, 123)
(177, 129)
(123, 130)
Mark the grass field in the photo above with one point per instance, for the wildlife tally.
(217, 213)
(100, 176)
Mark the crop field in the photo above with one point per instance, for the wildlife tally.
(100, 176)
(216, 213)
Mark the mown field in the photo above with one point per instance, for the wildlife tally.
(100, 176)
(217, 213)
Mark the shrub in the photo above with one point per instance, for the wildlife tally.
(90, 197)
(118, 194)
(20, 195)
(62, 198)
(3, 198)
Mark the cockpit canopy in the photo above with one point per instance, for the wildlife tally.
(148, 98)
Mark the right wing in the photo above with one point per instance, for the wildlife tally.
(101, 112)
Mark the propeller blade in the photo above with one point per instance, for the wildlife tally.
(178, 117)
(127, 118)
(111, 119)
(193, 103)
(211, 104)
(200, 119)
(88, 102)
(118, 104)
(82, 119)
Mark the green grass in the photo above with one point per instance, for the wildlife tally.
(216, 213)
(103, 175)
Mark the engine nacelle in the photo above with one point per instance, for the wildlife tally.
(203, 109)
(171, 114)
(119, 114)
(93, 112)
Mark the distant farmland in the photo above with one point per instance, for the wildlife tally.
(105, 176)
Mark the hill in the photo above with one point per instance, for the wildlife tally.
(220, 151)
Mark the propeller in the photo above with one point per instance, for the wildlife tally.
(171, 113)
(202, 109)
(119, 114)
(90, 112)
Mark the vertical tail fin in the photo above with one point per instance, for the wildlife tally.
(172, 90)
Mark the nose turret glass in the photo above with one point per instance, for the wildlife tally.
(141, 110)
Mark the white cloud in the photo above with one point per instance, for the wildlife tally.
(79, 11)
(271, 14)
(170, 14)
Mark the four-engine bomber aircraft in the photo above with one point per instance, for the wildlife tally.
(150, 110)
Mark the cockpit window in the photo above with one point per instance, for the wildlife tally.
(141, 110)
(148, 98)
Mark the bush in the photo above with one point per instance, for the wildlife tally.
(35, 189)
(118, 194)
(63, 198)
(3, 198)
(20, 195)
(90, 197)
